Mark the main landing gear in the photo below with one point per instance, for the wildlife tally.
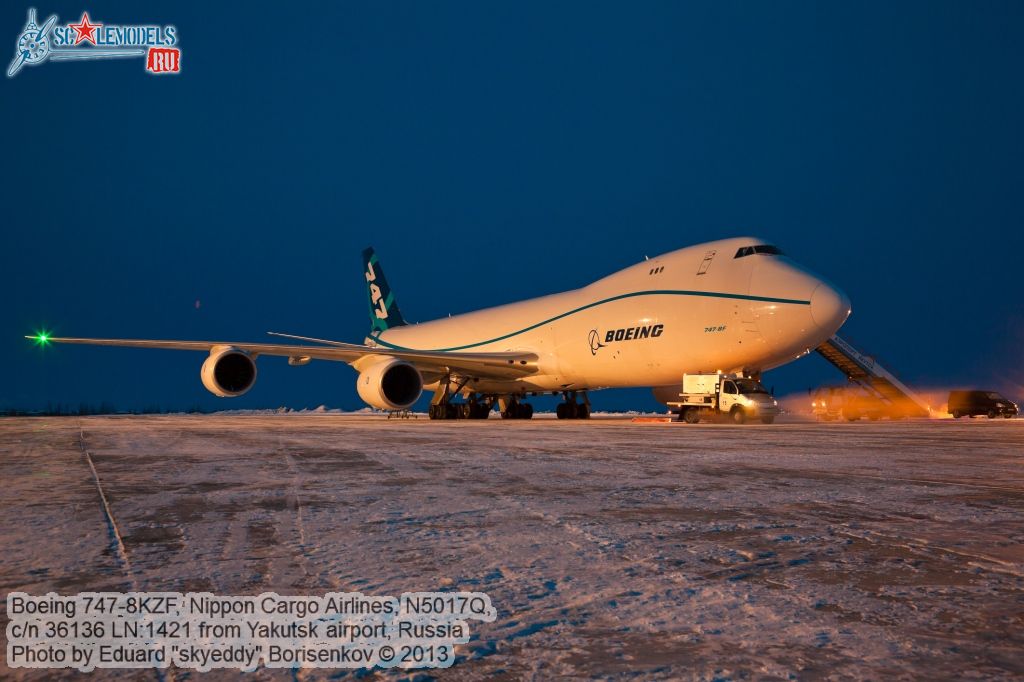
(570, 409)
(479, 407)
(474, 407)
(468, 410)
(512, 408)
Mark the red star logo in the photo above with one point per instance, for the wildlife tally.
(85, 30)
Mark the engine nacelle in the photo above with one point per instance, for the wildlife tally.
(390, 384)
(228, 372)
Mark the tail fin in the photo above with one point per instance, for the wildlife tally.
(384, 312)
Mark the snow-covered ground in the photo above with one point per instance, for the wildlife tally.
(610, 548)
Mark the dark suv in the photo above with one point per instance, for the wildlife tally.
(973, 403)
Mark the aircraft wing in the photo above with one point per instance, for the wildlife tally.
(499, 365)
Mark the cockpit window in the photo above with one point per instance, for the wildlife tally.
(763, 249)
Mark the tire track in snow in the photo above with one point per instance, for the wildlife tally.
(112, 528)
(115, 532)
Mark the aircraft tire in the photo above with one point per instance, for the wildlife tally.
(518, 410)
(445, 411)
(583, 411)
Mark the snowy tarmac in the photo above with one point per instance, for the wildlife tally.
(610, 548)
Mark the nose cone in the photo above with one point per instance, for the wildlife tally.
(829, 307)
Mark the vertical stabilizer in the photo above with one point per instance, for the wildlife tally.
(384, 312)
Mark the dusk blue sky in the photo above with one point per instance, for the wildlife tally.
(497, 151)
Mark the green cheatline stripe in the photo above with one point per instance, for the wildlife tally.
(656, 292)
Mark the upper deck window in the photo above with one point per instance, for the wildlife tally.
(763, 249)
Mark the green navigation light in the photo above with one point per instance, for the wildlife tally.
(41, 338)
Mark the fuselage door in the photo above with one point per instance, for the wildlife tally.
(706, 263)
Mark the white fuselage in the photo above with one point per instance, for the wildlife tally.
(698, 309)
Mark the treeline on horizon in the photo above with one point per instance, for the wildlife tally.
(85, 409)
(107, 408)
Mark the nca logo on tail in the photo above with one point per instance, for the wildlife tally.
(381, 308)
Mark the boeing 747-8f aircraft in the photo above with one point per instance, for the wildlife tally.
(733, 306)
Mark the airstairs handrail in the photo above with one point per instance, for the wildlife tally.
(871, 368)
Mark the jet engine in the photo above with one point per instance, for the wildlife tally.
(228, 372)
(390, 384)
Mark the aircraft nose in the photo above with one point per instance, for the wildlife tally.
(829, 307)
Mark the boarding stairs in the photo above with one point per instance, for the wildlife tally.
(862, 369)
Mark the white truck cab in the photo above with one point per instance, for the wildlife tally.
(740, 398)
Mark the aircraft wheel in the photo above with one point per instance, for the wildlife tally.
(738, 415)
(518, 410)
(767, 420)
(445, 411)
(479, 411)
(691, 415)
(560, 410)
(583, 411)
